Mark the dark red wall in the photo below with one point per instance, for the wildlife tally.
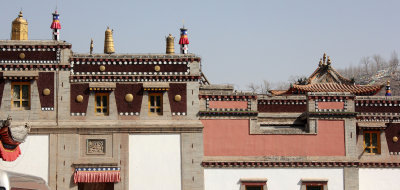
(282, 107)
(1, 86)
(393, 129)
(387, 109)
(79, 89)
(121, 90)
(177, 89)
(46, 80)
(29, 55)
(130, 68)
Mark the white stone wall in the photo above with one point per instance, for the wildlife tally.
(155, 161)
(278, 178)
(34, 158)
(379, 178)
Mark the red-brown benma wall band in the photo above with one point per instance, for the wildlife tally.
(83, 68)
(29, 55)
(393, 130)
(177, 89)
(79, 89)
(262, 164)
(1, 86)
(46, 80)
(128, 107)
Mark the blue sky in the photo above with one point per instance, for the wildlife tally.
(240, 42)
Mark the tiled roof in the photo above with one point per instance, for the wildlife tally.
(277, 92)
(334, 87)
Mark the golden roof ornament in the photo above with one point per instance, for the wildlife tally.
(329, 61)
(320, 62)
(324, 58)
(91, 46)
(19, 28)
(170, 44)
(109, 42)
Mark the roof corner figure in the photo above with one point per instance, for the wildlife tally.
(184, 40)
(56, 26)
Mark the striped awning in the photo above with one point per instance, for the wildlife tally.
(97, 175)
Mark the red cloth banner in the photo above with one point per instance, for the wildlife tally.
(9, 154)
(97, 175)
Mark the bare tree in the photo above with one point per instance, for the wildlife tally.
(393, 63)
(265, 87)
(379, 61)
(253, 87)
(365, 61)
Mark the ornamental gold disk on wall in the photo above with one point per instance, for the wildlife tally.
(102, 68)
(395, 139)
(128, 97)
(46, 92)
(178, 98)
(22, 55)
(157, 68)
(79, 98)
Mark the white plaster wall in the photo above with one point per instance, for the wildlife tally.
(278, 179)
(154, 161)
(379, 178)
(34, 158)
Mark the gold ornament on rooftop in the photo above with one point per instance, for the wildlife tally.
(102, 68)
(46, 91)
(129, 97)
(170, 44)
(178, 98)
(91, 46)
(157, 68)
(79, 98)
(109, 42)
(19, 28)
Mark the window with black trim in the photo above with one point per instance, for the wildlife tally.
(372, 142)
(20, 96)
(101, 103)
(155, 104)
(253, 184)
(314, 184)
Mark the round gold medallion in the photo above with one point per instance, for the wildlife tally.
(395, 139)
(178, 98)
(128, 97)
(22, 55)
(102, 68)
(157, 68)
(79, 98)
(46, 91)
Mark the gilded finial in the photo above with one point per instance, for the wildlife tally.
(170, 44)
(329, 61)
(388, 83)
(320, 62)
(324, 58)
(19, 28)
(91, 45)
(109, 42)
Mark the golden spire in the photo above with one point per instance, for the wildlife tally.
(91, 46)
(19, 28)
(109, 42)
(170, 44)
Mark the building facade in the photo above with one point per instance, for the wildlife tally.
(153, 121)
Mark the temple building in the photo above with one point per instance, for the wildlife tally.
(153, 121)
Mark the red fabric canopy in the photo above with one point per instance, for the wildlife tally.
(97, 175)
(9, 154)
